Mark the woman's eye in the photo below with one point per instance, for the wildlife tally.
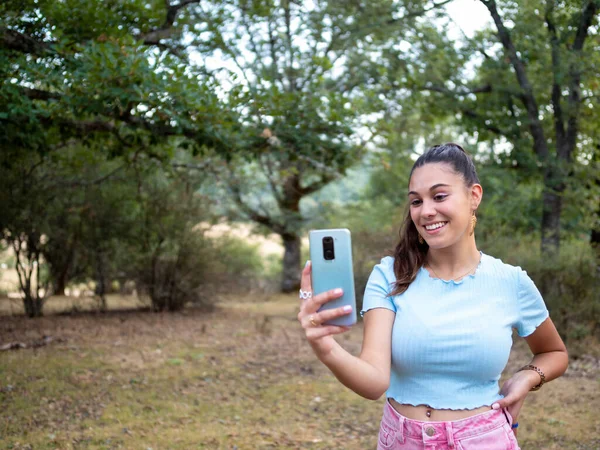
(440, 197)
(415, 202)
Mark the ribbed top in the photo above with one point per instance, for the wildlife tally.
(451, 339)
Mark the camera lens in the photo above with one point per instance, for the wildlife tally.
(327, 239)
(328, 254)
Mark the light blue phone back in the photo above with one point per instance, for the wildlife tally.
(336, 273)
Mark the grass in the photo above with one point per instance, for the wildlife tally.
(239, 377)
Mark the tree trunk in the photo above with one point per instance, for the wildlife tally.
(60, 281)
(60, 268)
(554, 187)
(33, 306)
(552, 206)
(100, 290)
(291, 263)
(595, 240)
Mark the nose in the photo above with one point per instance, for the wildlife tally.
(428, 209)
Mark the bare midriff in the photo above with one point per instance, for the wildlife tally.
(427, 414)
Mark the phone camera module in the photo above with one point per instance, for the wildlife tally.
(328, 250)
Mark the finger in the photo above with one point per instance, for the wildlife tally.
(306, 280)
(330, 314)
(328, 330)
(505, 402)
(324, 297)
(309, 320)
(313, 304)
(316, 319)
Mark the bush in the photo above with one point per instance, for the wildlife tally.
(196, 270)
(172, 278)
(238, 268)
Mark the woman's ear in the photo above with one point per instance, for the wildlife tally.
(476, 196)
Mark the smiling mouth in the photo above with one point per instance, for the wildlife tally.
(435, 226)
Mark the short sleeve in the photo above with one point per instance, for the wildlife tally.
(532, 309)
(378, 287)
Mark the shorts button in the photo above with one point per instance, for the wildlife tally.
(430, 431)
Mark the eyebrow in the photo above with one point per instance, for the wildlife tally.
(432, 188)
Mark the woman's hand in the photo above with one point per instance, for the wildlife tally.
(319, 336)
(515, 390)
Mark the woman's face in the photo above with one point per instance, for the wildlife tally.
(441, 205)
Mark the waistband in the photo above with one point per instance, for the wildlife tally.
(446, 431)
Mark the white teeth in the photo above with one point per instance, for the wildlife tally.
(435, 226)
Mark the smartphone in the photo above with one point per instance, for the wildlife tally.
(331, 256)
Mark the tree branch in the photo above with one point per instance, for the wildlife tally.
(257, 217)
(535, 126)
(166, 29)
(336, 37)
(109, 124)
(258, 60)
(587, 15)
(473, 115)
(481, 89)
(13, 40)
(288, 34)
(317, 185)
(408, 15)
(99, 180)
(268, 171)
(38, 94)
(559, 126)
(200, 167)
(479, 47)
(574, 99)
(275, 73)
(319, 165)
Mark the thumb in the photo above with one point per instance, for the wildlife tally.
(505, 402)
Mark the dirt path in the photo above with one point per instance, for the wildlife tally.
(241, 377)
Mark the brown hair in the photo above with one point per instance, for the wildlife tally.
(409, 254)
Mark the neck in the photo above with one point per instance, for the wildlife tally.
(456, 258)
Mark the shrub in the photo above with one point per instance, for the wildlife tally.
(174, 277)
(197, 270)
(238, 268)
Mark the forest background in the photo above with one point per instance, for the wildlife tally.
(134, 132)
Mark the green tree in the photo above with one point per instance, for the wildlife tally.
(25, 226)
(529, 84)
(89, 86)
(77, 71)
(299, 79)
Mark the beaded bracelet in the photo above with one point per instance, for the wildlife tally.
(540, 373)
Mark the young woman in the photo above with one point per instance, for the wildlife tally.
(438, 320)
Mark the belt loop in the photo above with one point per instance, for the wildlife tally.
(400, 432)
(450, 434)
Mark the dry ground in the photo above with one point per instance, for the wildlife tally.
(240, 377)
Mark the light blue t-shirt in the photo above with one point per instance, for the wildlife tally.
(451, 339)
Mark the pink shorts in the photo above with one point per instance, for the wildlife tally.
(491, 430)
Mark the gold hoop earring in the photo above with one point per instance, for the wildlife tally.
(473, 223)
(421, 240)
